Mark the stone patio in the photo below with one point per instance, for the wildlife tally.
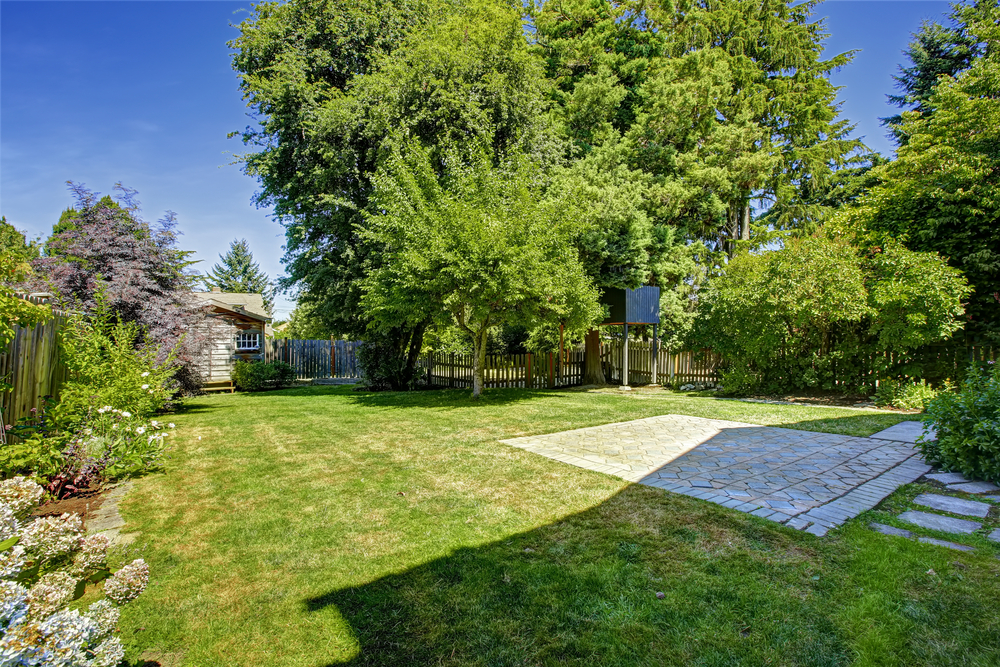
(809, 481)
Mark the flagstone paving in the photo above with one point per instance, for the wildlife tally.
(806, 480)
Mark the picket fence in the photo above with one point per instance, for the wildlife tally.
(315, 358)
(31, 364)
(548, 370)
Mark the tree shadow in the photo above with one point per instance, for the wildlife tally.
(642, 578)
(450, 399)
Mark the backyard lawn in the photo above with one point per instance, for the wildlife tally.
(322, 526)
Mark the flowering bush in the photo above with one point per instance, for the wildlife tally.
(967, 423)
(46, 564)
(107, 364)
(109, 444)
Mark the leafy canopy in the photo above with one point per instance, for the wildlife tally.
(479, 246)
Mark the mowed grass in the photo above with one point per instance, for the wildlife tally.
(322, 526)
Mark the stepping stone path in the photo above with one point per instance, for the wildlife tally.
(940, 522)
(803, 479)
(950, 504)
(953, 505)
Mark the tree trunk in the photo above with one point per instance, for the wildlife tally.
(478, 361)
(592, 371)
(745, 230)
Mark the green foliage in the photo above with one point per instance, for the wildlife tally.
(108, 365)
(381, 365)
(479, 246)
(935, 51)
(14, 244)
(942, 192)
(237, 272)
(903, 394)
(304, 324)
(15, 311)
(258, 375)
(967, 424)
(817, 314)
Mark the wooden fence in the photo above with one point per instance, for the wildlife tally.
(32, 366)
(538, 371)
(315, 358)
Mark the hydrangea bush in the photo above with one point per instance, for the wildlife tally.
(46, 564)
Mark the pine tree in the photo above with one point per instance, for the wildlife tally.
(237, 272)
(934, 52)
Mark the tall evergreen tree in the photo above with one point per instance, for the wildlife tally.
(237, 272)
(942, 192)
(935, 51)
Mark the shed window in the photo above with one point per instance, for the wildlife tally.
(247, 341)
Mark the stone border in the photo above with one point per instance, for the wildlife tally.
(108, 521)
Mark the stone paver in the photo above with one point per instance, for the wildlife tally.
(939, 522)
(995, 499)
(819, 479)
(948, 477)
(954, 505)
(903, 432)
(994, 536)
(974, 487)
(890, 530)
(945, 543)
(108, 521)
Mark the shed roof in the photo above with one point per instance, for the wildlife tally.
(250, 304)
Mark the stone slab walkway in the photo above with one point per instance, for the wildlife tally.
(806, 480)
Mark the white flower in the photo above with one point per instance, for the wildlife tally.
(108, 654)
(8, 522)
(126, 414)
(88, 431)
(93, 553)
(145, 386)
(13, 602)
(21, 494)
(51, 593)
(140, 430)
(170, 425)
(105, 615)
(107, 408)
(114, 426)
(145, 374)
(154, 423)
(101, 411)
(127, 583)
(51, 537)
(12, 562)
(151, 391)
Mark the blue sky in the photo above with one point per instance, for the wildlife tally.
(143, 93)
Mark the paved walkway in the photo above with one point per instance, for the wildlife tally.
(806, 480)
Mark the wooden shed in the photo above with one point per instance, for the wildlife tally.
(236, 327)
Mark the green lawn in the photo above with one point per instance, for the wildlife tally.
(322, 526)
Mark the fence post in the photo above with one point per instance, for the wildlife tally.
(656, 351)
(625, 377)
(552, 371)
(528, 383)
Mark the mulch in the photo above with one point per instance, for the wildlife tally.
(83, 504)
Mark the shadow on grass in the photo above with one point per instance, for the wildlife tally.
(447, 398)
(585, 591)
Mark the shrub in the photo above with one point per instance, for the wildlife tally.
(823, 314)
(108, 365)
(903, 394)
(258, 375)
(45, 565)
(109, 444)
(967, 423)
